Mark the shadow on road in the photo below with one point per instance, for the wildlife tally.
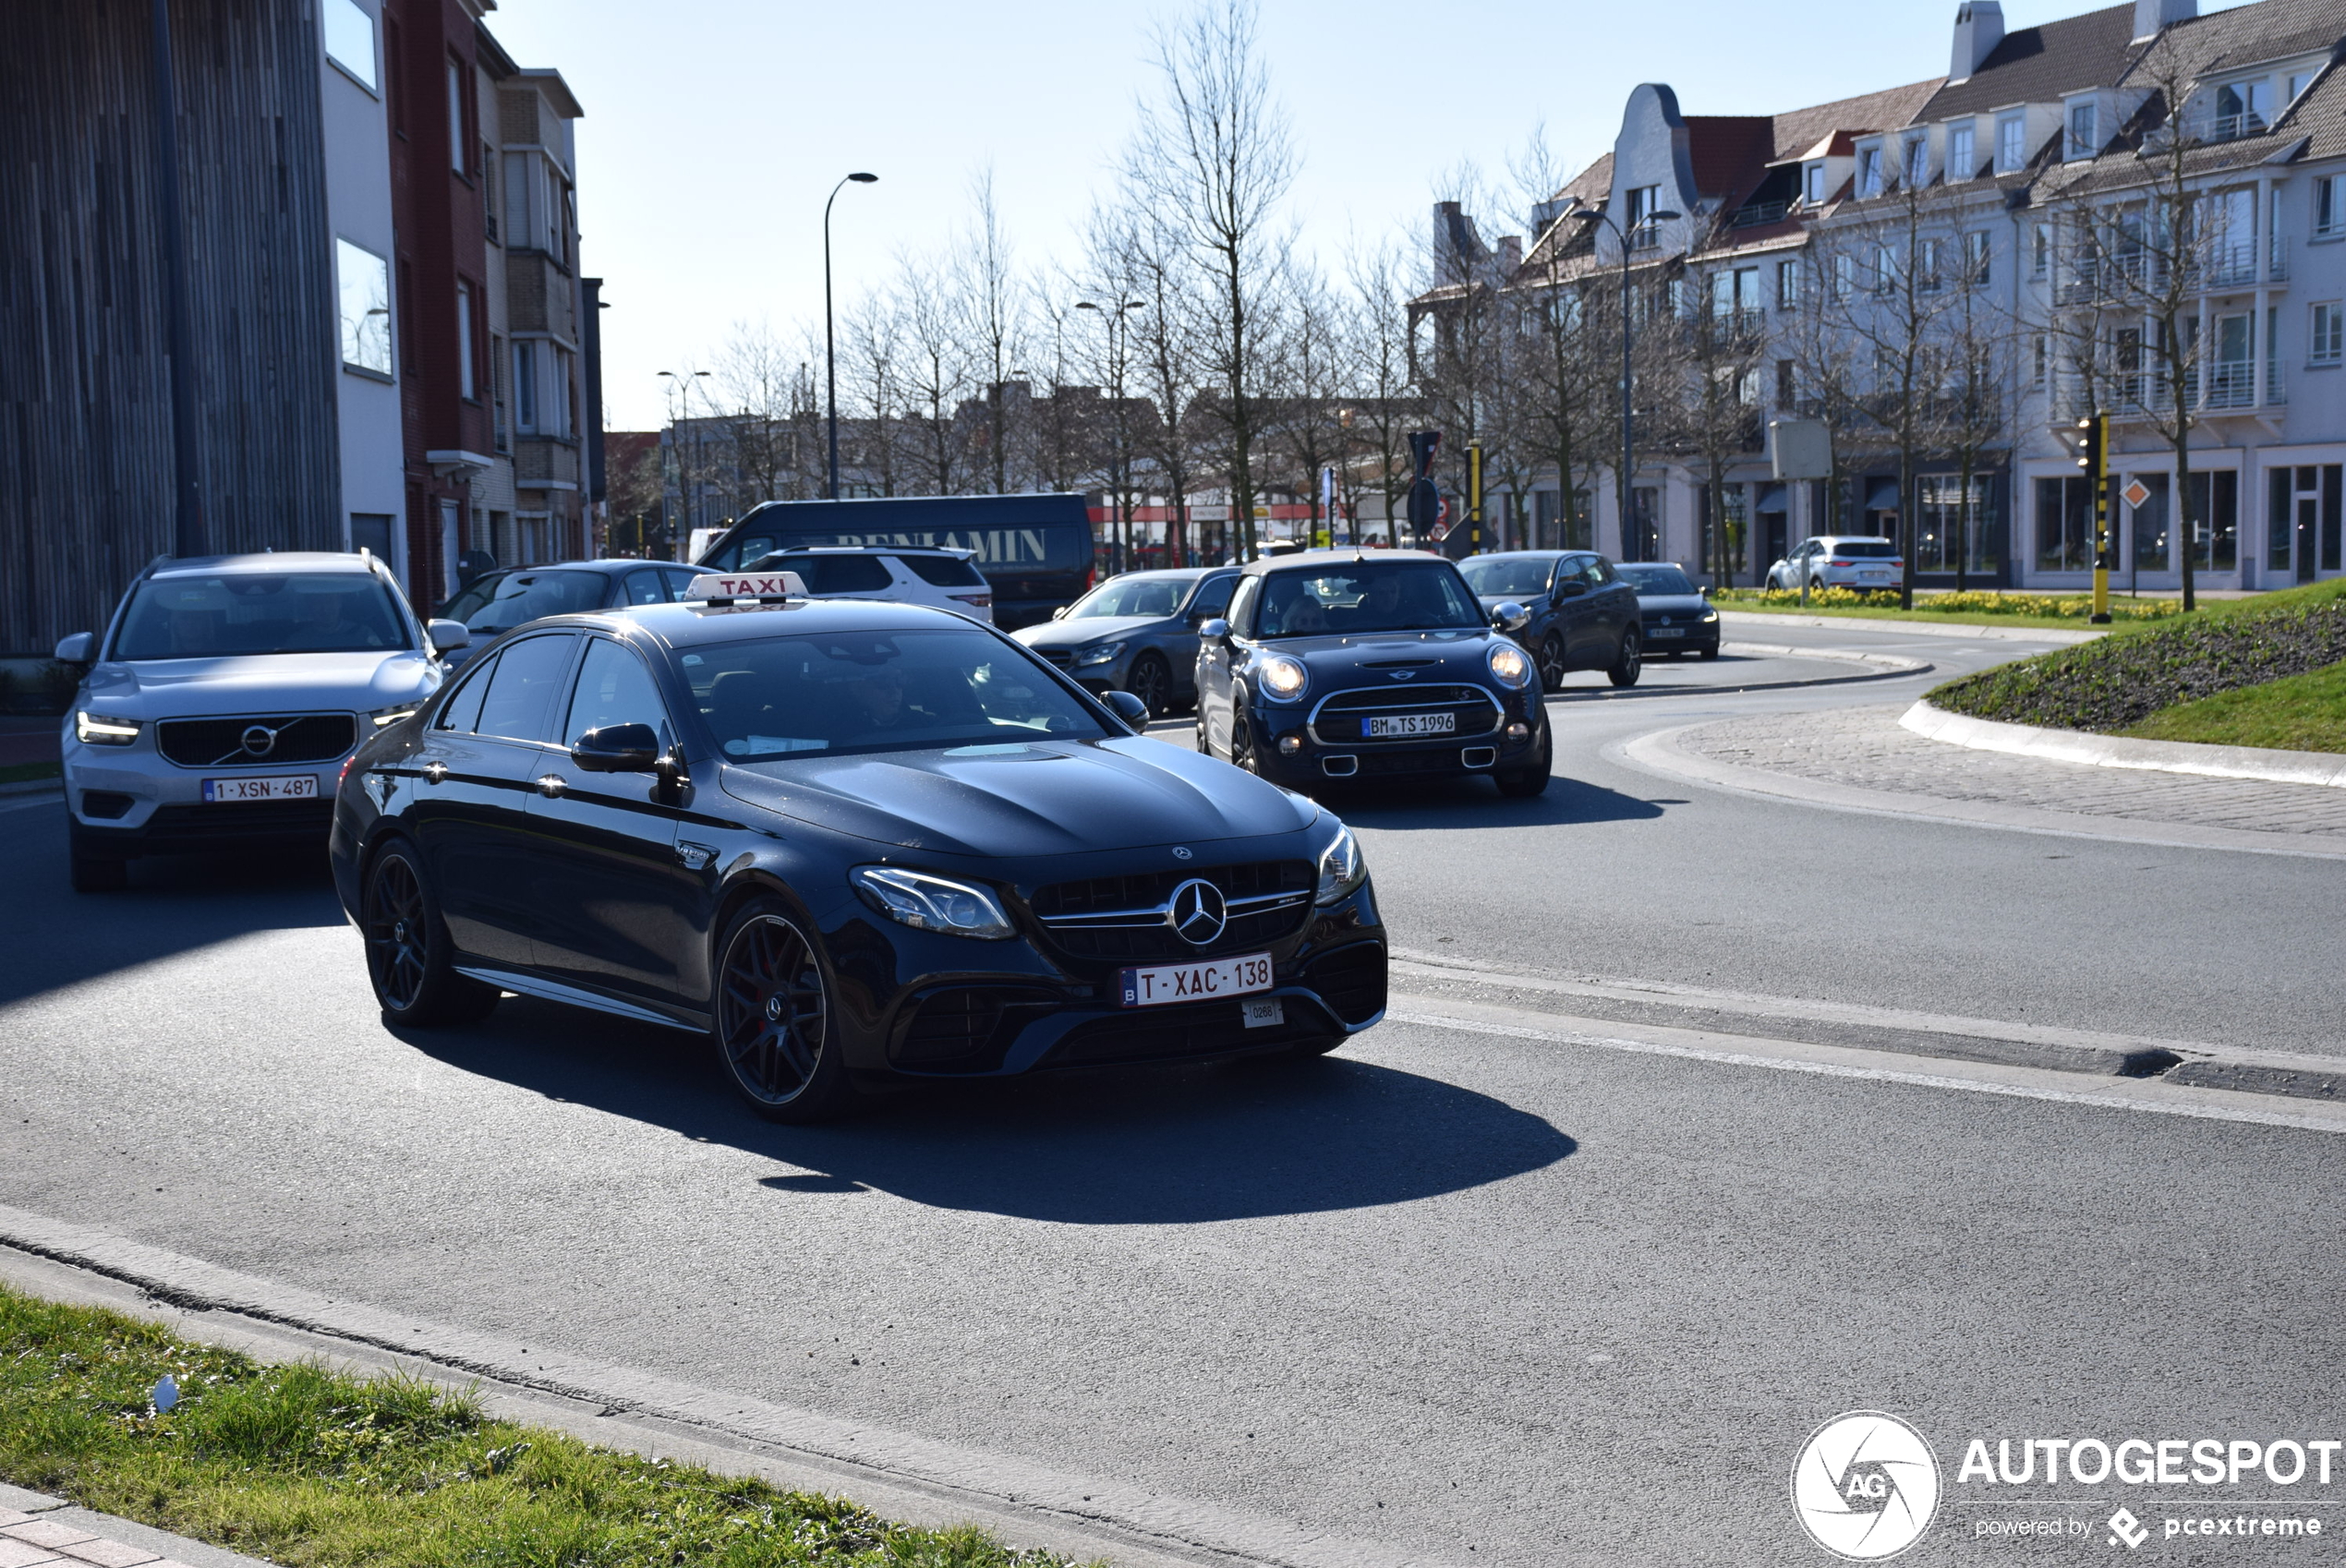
(56, 937)
(1471, 802)
(1132, 1146)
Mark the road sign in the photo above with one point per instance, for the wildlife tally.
(2135, 493)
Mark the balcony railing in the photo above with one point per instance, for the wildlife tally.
(2225, 265)
(1753, 214)
(1646, 235)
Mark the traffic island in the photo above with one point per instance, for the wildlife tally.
(304, 1466)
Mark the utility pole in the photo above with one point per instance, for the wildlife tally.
(187, 530)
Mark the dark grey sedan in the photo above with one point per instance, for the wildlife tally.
(1137, 632)
(1678, 616)
(499, 601)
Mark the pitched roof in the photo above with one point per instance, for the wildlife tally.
(1802, 130)
(2250, 35)
(2036, 65)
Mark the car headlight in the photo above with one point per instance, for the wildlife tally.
(385, 717)
(99, 729)
(931, 903)
(1709, 616)
(1098, 653)
(1342, 866)
(1508, 667)
(1282, 677)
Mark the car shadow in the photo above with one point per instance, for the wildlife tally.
(1418, 804)
(1161, 1145)
(56, 937)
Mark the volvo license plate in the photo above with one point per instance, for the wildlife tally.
(1400, 725)
(1202, 982)
(297, 786)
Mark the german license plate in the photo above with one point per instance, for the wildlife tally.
(1163, 984)
(1402, 725)
(298, 786)
(1669, 632)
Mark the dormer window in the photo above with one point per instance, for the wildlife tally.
(2082, 141)
(2243, 108)
(1963, 160)
(1813, 178)
(1869, 172)
(1918, 162)
(2012, 143)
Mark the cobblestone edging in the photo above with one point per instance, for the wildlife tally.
(2124, 751)
(41, 1531)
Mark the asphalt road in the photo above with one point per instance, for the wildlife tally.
(1453, 1295)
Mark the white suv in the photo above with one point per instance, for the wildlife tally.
(1840, 560)
(900, 574)
(222, 699)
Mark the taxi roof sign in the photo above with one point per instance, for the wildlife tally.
(728, 587)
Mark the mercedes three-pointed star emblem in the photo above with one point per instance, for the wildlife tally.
(1196, 911)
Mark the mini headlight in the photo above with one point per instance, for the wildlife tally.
(98, 730)
(1342, 866)
(931, 903)
(1282, 677)
(1508, 667)
(1098, 653)
(385, 717)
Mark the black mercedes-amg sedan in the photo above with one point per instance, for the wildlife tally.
(854, 843)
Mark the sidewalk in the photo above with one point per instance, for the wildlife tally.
(1861, 758)
(41, 1531)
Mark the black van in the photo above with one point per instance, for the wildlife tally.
(1035, 549)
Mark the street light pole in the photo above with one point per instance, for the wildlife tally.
(830, 355)
(1114, 318)
(1629, 440)
(683, 473)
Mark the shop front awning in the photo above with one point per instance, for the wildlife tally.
(1883, 496)
(1772, 498)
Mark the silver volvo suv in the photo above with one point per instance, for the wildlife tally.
(224, 697)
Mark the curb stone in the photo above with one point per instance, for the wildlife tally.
(2266, 764)
(36, 1519)
(1749, 618)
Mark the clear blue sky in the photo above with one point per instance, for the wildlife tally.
(714, 128)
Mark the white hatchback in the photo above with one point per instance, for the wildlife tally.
(222, 699)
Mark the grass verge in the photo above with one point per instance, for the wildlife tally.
(312, 1468)
(26, 772)
(2057, 611)
(2296, 712)
(2112, 685)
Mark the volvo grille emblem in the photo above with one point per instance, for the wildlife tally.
(1196, 912)
(259, 740)
(1180, 851)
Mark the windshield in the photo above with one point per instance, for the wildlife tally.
(850, 692)
(503, 601)
(1500, 577)
(1863, 550)
(238, 614)
(1132, 596)
(1365, 596)
(1656, 579)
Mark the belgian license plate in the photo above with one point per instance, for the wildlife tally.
(1165, 984)
(1401, 725)
(298, 786)
(1882, 576)
(1669, 631)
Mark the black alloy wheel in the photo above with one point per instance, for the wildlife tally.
(410, 959)
(1630, 661)
(1152, 681)
(773, 1022)
(1242, 752)
(1554, 667)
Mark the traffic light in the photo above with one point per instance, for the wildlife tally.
(2095, 460)
(1425, 496)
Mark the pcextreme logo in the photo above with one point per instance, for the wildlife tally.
(1865, 1486)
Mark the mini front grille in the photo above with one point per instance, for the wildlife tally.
(1401, 696)
(1123, 918)
(1343, 719)
(280, 738)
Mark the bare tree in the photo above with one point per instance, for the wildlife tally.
(875, 339)
(1384, 408)
(1165, 354)
(935, 376)
(992, 312)
(1213, 156)
(1714, 346)
(1305, 434)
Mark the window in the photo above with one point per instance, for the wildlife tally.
(1885, 269)
(564, 424)
(2064, 523)
(457, 138)
(1787, 284)
(1815, 187)
(2297, 82)
(1845, 276)
(2082, 143)
(525, 385)
(2215, 520)
(2150, 522)
(2243, 108)
(1918, 162)
(1927, 265)
(1722, 293)
(1977, 256)
(1963, 160)
(465, 387)
(1786, 384)
(2329, 344)
(365, 288)
(613, 685)
(2012, 143)
(522, 689)
(2329, 210)
(2039, 250)
(1950, 534)
(1644, 201)
(1869, 173)
(350, 40)
(1747, 288)
(488, 168)
(499, 406)
(2044, 360)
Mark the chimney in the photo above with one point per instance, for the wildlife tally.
(2152, 15)
(1980, 27)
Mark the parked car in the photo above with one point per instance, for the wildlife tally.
(943, 579)
(222, 699)
(1137, 632)
(1839, 560)
(1349, 664)
(1678, 616)
(1583, 615)
(848, 844)
(497, 601)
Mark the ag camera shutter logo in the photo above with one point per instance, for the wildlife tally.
(1865, 1486)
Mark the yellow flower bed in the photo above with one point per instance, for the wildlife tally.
(2052, 605)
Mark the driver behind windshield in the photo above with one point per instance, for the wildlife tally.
(1373, 596)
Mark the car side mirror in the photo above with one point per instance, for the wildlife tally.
(1061, 613)
(1214, 630)
(1510, 617)
(1128, 708)
(79, 649)
(1571, 590)
(444, 635)
(617, 748)
(1706, 590)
